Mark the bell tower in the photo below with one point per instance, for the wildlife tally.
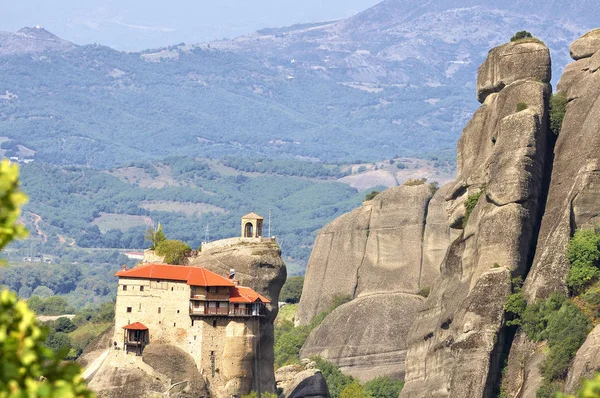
(252, 226)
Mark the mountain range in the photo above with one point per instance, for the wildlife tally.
(393, 80)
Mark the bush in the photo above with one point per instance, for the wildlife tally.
(584, 257)
(470, 205)
(412, 182)
(515, 304)
(353, 390)
(521, 35)
(292, 290)
(547, 390)
(371, 195)
(536, 316)
(424, 291)
(383, 387)
(558, 107)
(173, 251)
(521, 106)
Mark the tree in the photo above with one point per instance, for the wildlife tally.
(155, 236)
(173, 251)
(292, 289)
(27, 367)
(521, 35)
(383, 387)
(353, 390)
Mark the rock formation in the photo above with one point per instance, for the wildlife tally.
(168, 370)
(572, 203)
(381, 255)
(299, 381)
(454, 342)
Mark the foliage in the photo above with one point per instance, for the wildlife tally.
(353, 390)
(292, 289)
(173, 251)
(470, 205)
(11, 200)
(383, 387)
(564, 327)
(515, 304)
(521, 106)
(371, 195)
(558, 107)
(547, 390)
(155, 236)
(336, 380)
(521, 35)
(588, 389)
(424, 291)
(434, 186)
(29, 368)
(53, 305)
(412, 182)
(63, 324)
(584, 256)
(566, 331)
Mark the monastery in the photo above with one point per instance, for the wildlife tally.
(209, 316)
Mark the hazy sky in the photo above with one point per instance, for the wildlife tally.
(141, 24)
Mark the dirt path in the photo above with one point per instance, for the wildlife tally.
(36, 221)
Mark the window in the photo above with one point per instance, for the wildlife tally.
(124, 287)
(141, 288)
(214, 324)
(159, 310)
(178, 311)
(171, 288)
(128, 309)
(193, 325)
(174, 324)
(140, 307)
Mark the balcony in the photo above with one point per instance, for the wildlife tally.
(209, 311)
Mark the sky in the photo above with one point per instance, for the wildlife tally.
(140, 24)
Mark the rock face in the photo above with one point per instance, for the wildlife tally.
(586, 363)
(572, 203)
(454, 343)
(299, 381)
(381, 255)
(572, 198)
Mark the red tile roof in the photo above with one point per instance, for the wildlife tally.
(194, 276)
(136, 326)
(241, 294)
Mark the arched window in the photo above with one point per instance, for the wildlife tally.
(248, 230)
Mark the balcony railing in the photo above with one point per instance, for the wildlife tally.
(222, 311)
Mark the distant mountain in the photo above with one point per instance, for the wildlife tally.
(31, 41)
(394, 80)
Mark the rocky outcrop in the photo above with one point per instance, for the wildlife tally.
(572, 203)
(381, 255)
(523, 59)
(300, 381)
(586, 363)
(586, 46)
(455, 343)
(163, 370)
(259, 266)
(572, 197)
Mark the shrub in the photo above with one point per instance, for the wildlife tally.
(470, 205)
(536, 316)
(424, 292)
(558, 107)
(173, 251)
(412, 182)
(383, 387)
(515, 304)
(292, 289)
(584, 257)
(434, 186)
(547, 390)
(521, 35)
(371, 195)
(353, 390)
(521, 106)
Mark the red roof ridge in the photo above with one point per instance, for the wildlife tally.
(195, 276)
(136, 326)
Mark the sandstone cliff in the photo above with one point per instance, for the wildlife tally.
(572, 203)
(170, 371)
(381, 255)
